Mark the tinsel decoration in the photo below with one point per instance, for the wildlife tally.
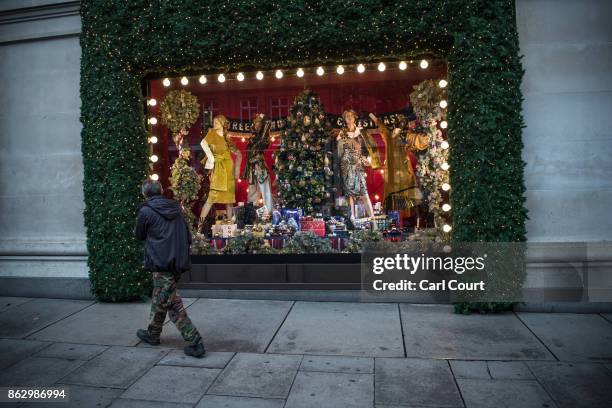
(185, 184)
(307, 242)
(301, 180)
(178, 112)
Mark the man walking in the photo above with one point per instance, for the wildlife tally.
(167, 238)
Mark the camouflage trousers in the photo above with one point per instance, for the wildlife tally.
(166, 299)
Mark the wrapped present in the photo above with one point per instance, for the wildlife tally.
(296, 214)
(224, 230)
(393, 235)
(314, 225)
(258, 230)
(338, 243)
(218, 243)
(382, 222)
(276, 217)
(396, 219)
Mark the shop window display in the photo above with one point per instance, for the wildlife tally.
(331, 156)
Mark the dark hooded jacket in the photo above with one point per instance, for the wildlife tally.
(166, 234)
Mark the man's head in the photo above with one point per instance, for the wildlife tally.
(151, 188)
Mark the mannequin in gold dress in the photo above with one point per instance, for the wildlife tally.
(218, 149)
(401, 187)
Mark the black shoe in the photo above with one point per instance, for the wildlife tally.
(195, 350)
(147, 337)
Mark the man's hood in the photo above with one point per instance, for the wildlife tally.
(169, 209)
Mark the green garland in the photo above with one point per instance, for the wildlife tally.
(123, 41)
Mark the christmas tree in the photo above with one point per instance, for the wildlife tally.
(299, 162)
(185, 184)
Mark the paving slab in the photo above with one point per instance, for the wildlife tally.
(172, 384)
(72, 351)
(231, 324)
(215, 359)
(509, 370)
(414, 381)
(129, 403)
(607, 316)
(504, 393)
(571, 336)
(218, 401)
(29, 317)
(334, 328)
(37, 371)
(116, 367)
(257, 375)
(81, 396)
(434, 331)
(315, 390)
(470, 369)
(338, 364)
(12, 350)
(113, 324)
(575, 384)
(8, 302)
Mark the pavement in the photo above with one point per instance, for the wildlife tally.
(275, 354)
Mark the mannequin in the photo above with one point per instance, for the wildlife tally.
(255, 170)
(218, 150)
(401, 186)
(356, 150)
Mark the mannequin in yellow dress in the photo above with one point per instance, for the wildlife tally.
(401, 187)
(218, 149)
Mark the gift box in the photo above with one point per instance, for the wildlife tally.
(394, 235)
(338, 243)
(314, 225)
(396, 218)
(218, 243)
(296, 214)
(382, 222)
(224, 230)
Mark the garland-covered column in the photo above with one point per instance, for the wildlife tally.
(485, 126)
(115, 160)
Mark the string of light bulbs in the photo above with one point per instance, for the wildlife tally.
(300, 72)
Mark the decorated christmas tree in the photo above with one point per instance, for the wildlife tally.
(185, 184)
(299, 162)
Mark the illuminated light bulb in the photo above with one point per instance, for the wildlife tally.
(361, 68)
(243, 139)
(278, 74)
(447, 228)
(166, 82)
(340, 70)
(377, 197)
(153, 121)
(260, 200)
(445, 166)
(240, 180)
(240, 77)
(382, 171)
(443, 104)
(320, 71)
(403, 65)
(153, 139)
(221, 78)
(259, 75)
(424, 64)
(381, 67)
(444, 144)
(154, 177)
(446, 207)
(152, 102)
(444, 124)
(184, 81)
(445, 186)
(202, 79)
(300, 72)
(154, 158)
(273, 139)
(442, 83)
